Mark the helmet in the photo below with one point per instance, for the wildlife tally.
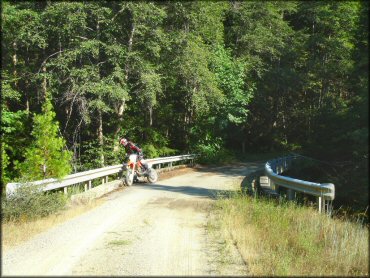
(123, 141)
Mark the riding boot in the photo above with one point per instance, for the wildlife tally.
(136, 178)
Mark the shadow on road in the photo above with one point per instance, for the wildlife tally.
(233, 170)
(189, 190)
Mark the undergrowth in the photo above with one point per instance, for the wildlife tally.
(29, 203)
(287, 239)
(351, 184)
(213, 153)
(29, 211)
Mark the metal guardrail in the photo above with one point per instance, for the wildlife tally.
(325, 192)
(87, 176)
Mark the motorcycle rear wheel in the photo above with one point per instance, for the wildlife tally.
(152, 175)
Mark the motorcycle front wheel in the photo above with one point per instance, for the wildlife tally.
(129, 178)
(152, 175)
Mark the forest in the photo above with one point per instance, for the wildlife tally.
(219, 78)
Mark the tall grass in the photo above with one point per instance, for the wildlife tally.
(286, 239)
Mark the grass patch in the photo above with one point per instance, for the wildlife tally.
(17, 231)
(288, 239)
(119, 242)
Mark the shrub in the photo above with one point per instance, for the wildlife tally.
(213, 153)
(150, 151)
(29, 202)
(165, 151)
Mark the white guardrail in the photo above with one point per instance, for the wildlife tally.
(325, 192)
(87, 176)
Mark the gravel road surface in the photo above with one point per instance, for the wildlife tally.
(146, 229)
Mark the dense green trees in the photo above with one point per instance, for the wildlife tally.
(174, 76)
(47, 156)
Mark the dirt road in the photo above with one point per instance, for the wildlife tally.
(158, 229)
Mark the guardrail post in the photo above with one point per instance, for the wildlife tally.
(321, 203)
(291, 194)
(328, 207)
(275, 187)
(272, 185)
(65, 190)
(106, 179)
(85, 185)
(324, 205)
(89, 185)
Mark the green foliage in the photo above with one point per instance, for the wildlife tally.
(150, 151)
(91, 151)
(258, 33)
(24, 25)
(4, 164)
(12, 126)
(211, 151)
(29, 203)
(171, 75)
(152, 86)
(166, 151)
(198, 82)
(230, 76)
(46, 157)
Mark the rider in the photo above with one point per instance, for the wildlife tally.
(132, 148)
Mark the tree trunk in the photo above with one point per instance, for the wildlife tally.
(100, 117)
(150, 116)
(15, 62)
(15, 75)
(284, 129)
(101, 137)
(44, 82)
(129, 48)
(121, 107)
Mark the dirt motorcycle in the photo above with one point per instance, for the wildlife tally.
(134, 168)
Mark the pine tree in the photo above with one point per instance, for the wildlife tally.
(46, 158)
